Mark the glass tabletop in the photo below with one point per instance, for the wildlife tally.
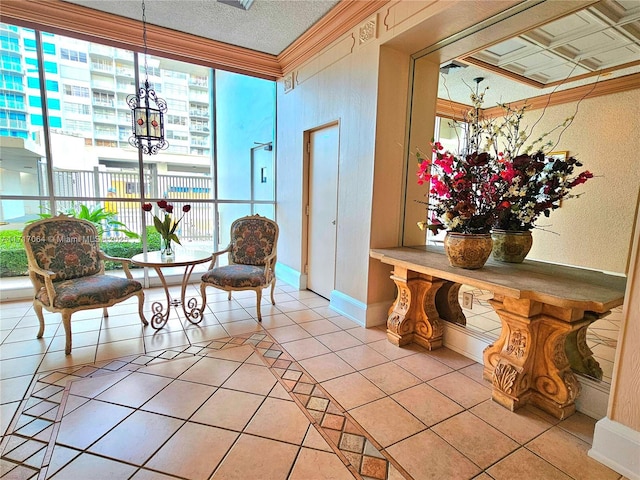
(181, 257)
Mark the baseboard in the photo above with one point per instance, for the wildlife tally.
(349, 307)
(618, 447)
(291, 277)
(594, 395)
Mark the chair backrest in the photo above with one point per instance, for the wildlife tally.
(253, 238)
(64, 245)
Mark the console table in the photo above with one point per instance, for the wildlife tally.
(544, 309)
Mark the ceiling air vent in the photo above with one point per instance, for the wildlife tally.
(452, 65)
(243, 4)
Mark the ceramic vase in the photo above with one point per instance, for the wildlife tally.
(510, 246)
(466, 250)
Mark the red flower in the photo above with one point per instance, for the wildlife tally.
(168, 208)
(162, 204)
(186, 208)
(147, 207)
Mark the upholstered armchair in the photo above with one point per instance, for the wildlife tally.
(66, 267)
(252, 260)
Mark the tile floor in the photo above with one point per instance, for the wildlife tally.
(308, 394)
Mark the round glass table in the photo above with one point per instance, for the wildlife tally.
(182, 257)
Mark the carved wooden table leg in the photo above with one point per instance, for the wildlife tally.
(578, 352)
(413, 315)
(528, 363)
(448, 304)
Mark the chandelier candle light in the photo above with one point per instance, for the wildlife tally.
(147, 122)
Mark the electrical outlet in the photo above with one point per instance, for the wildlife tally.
(467, 300)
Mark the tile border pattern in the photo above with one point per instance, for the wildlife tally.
(27, 446)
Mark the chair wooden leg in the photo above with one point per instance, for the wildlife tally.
(104, 312)
(273, 286)
(259, 295)
(140, 296)
(66, 323)
(38, 308)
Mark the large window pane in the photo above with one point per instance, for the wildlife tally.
(245, 119)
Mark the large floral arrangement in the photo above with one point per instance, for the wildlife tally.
(167, 226)
(496, 181)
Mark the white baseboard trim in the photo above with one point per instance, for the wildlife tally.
(349, 307)
(291, 277)
(594, 395)
(618, 447)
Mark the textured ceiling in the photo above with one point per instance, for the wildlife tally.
(597, 43)
(269, 26)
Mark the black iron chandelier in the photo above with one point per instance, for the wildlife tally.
(147, 122)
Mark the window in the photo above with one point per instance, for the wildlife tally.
(76, 91)
(79, 108)
(104, 99)
(73, 55)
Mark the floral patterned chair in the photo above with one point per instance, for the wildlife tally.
(252, 260)
(66, 268)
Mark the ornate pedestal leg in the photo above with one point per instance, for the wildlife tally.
(413, 315)
(448, 304)
(528, 363)
(578, 352)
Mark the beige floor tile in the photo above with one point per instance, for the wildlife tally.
(288, 333)
(581, 425)
(568, 453)
(305, 348)
(7, 411)
(14, 389)
(423, 367)
(79, 339)
(251, 378)
(293, 306)
(316, 302)
(320, 327)
(338, 340)
(317, 465)
(386, 421)
(326, 367)
(228, 409)
(427, 404)
(94, 467)
(134, 390)
(108, 351)
(303, 316)
(115, 334)
(137, 437)
(450, 358)
(206, 333)
(233, 316)
(193, 452)
(143, 474)
(316, 441)
(86, 424)
(461, 389)
(390, 378)
(210, 371)
(427, 456)
(32, 346)
(274, 321)
(476, 439)
(93, 386)
(279, 420)
(179, 399)
(170, 368)
(242, 326)
(19, 366)
(524, 464)
(58, 360)
(362, 357)
(236, 354)
(352, 390)
(521, 425)
(161, 341)
(369, 335)
(392, 352)
(257, 458)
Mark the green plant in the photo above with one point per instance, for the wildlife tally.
(99, 217)
(13, 258)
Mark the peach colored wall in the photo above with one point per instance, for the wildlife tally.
(594, 231)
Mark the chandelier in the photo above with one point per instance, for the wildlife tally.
(147, 110)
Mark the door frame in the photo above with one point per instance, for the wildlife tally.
(304, 212)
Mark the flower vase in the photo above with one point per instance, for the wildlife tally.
(466, 250)
(511, 246)
(166, 250)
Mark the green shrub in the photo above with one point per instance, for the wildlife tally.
(13, 258)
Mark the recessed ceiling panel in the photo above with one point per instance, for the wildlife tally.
(611, 58)
(592, 44)
(566, 29)
(558, 73)
(506, 52)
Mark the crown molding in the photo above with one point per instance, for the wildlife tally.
(65, 18)
(450, 109)
(340, 19)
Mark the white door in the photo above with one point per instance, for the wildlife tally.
(323, 209)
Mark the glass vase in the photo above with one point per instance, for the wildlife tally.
(166, 250)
